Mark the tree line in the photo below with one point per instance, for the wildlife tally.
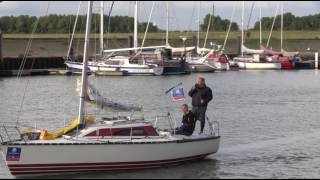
(64, 24)
(124, 24)
(290, 22)
(217, 24)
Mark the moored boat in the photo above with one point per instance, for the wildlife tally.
(219, 61)
(259, 65)
(119, 64)
(200, 67)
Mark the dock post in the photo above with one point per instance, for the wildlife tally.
(316, 59)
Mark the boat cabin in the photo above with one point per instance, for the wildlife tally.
(119, 128)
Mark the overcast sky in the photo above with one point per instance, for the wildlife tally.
(183, 15)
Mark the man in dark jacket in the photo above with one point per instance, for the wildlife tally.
(201, 95)
(188, 122)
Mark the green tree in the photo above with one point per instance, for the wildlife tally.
(217, 24)
(291, 22)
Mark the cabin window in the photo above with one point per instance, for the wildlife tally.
(127, 132)
(113, 62)
(137, 131)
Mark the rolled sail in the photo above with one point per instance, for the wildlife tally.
(94, 96)
(289, 54)
(251, 51)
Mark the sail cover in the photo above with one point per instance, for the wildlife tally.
(94, 96)
(289, 54)
(181, 49)
(269, 51)
(251, 51)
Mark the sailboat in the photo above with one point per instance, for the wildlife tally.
(201, 64)
(117, 64)
(254, 59)
(95, 145)
(167, 55)
(287, 59)
(174, 50)
(209, 59)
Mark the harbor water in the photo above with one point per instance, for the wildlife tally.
(269, 120)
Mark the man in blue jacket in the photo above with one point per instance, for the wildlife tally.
(201, 95)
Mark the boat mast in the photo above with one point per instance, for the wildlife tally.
(242, 19)
(167, 31)
(73, 31)
(135, 35)
(229, 28)
(260, 28)
(274, 20)
(101, 27)
(198, 41)
(281, 39)
(209, 24)
(85, 65)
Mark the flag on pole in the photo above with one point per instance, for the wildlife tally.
(177, 93)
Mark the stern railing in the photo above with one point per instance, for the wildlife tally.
(212, 127)
(9, 134)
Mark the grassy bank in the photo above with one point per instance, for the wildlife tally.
(291, 35)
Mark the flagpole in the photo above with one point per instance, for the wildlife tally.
(173, 87)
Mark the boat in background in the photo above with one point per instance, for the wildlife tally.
(287, 59)
(118, 64)
(259, 65)
(200, 64)
(255, 59)
(163, 57)
(218, 60)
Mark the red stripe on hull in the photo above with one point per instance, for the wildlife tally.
(20, 170)
(34, 173)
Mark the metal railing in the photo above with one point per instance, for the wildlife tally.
(9, 134)
(213, 126)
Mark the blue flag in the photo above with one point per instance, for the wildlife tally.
(177, 93)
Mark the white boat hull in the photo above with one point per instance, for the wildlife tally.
(60, 158)
(220, 66)
(200, 67)
(130, 70)
(259, 65)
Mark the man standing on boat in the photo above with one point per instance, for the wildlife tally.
(201, 95)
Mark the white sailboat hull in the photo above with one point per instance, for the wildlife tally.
(200, 65)
(259, 65)
(133, 70)
(195, 67)
(59, 158)
(220, 66)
